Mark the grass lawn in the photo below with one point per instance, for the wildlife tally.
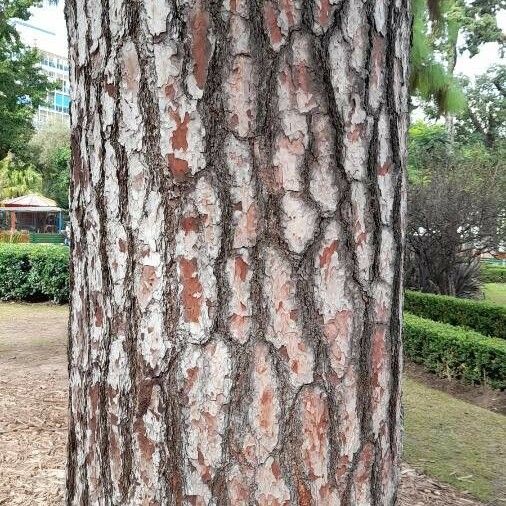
(455, 441)
(495, 292)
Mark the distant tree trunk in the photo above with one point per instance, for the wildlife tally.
(450, 117)
(237, 235)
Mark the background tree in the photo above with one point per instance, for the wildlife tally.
(49, 151)
(23, 87)
(237, 210)
(457, 210)
(18, 178)
(484, 118)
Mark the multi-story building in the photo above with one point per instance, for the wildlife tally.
(45, 30)
(58, 101)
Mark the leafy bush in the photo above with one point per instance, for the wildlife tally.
(34, 272)
(455, 352)
(484, 317)
(493, 273)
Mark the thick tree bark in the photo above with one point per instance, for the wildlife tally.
(237, 216)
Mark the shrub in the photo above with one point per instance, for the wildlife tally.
(455, 352)
(34, 272)
(493, 273)
(484, 317)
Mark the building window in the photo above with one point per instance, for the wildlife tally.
(61, 102)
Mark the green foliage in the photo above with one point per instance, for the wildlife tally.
(438, 28)
(18, 178)
(455, 352)
(493, 273)
(485, 117)
(484, 317)
(57, 184)
(34, 272)
(428, 144)
(430, 79)
(49, 151)
(23, 86)
(479, 21)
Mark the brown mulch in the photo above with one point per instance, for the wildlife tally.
(420, 490)
(33, 405)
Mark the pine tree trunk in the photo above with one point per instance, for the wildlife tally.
(237, 219)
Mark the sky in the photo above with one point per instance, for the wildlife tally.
(50, 18)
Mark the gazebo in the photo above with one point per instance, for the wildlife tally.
(34, 214)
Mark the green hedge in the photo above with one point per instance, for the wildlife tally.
(484, 317)
(493, 273)
(34, 272)
(455, 352)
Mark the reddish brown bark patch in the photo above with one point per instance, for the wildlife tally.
(378, 352)
(146, 446)
(304, 494)
(364, 468)
(327, 253)
(384, 169)
(276, 470)
(179, 136)
(178, 167)
(170, 91)
(271, 24)
(148, 281)
(378, 58)
(356, 134)
(192, 289)
(122, 245)
(323, 12)
(190, 224)
(200, 48)
(99, 315)
(287, 8)
(111, 89)
(267, 409)
(339, 325)
(241, 268)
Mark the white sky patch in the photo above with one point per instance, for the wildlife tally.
(488, 55)
(50, 18)
(46, 29)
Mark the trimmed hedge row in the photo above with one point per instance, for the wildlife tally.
(34, 272)
(484, 317)
(493, 273)
(455, 352)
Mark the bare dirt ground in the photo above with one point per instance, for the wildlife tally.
(33, 405)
